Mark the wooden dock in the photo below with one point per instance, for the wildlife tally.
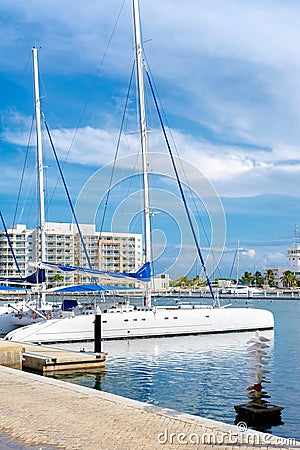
(46, 360)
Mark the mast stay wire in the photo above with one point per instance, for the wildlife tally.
(100, 66)
(23, 174)
(152, 83)
(181, 191)
(116, 152)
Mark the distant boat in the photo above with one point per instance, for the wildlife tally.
(127, 321)
(243, 291)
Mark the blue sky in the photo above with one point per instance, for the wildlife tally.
(227, 74)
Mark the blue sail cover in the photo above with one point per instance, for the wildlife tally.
(143, 274)
(13, 288)
(88, 288)
(37, 277)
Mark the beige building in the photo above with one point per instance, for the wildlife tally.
(160, 283)
(114, 252)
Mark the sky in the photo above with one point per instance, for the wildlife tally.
(227, 77)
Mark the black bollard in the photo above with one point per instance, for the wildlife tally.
(97, 331)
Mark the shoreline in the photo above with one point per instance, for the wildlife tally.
(277, 295)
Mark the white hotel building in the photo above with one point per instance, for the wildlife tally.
(115, 252)
(20, 237)
(293, 255)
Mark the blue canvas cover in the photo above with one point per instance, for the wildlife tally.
(143, 274)
(37, 277)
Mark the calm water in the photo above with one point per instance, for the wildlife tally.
(205, 375)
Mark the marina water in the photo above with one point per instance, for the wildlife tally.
(205, 375)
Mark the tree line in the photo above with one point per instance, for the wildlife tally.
(288, 279)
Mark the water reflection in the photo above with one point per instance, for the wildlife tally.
(202, 375)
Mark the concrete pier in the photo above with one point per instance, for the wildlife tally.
(11, 354)
(47, 360)
(45, 413)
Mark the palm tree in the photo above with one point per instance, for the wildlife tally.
(288, 279)
(247, 278)
(182, 281)
(270, 278)
(58, 278)
(258, 279)
(196, 280)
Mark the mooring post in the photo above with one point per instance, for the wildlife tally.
(97, 331)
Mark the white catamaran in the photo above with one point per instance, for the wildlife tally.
(127, 321)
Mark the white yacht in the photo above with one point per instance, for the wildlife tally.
(127, 321)
(243, 291)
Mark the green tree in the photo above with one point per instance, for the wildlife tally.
(270, 278)
(288, 279)
(258, 279)
(196, 280)
(182, 281)
(58, 278)
(247, 278)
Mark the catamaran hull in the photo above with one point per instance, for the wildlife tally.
(16, 315)
(9, 319)
(6, 323)
(146, 323)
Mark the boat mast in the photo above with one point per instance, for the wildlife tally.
(237, 261)
(40, 168)
(144, 140)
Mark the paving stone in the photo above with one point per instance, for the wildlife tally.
(52, 414)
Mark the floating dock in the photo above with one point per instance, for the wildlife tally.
(47, 360)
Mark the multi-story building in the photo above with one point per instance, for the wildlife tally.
(20, 238)
(108, 251)
(59, 248)
(293, 255)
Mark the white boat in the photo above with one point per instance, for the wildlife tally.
(6, 316)
(21, 313)
(243, 291)
(131, 322)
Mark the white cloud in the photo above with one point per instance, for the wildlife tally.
(250, 259)
(250, 253)
(233, 170)
(241, 61)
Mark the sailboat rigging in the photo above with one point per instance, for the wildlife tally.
(143, 137)
(37, 105)
(28, 311)
(128, 321)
